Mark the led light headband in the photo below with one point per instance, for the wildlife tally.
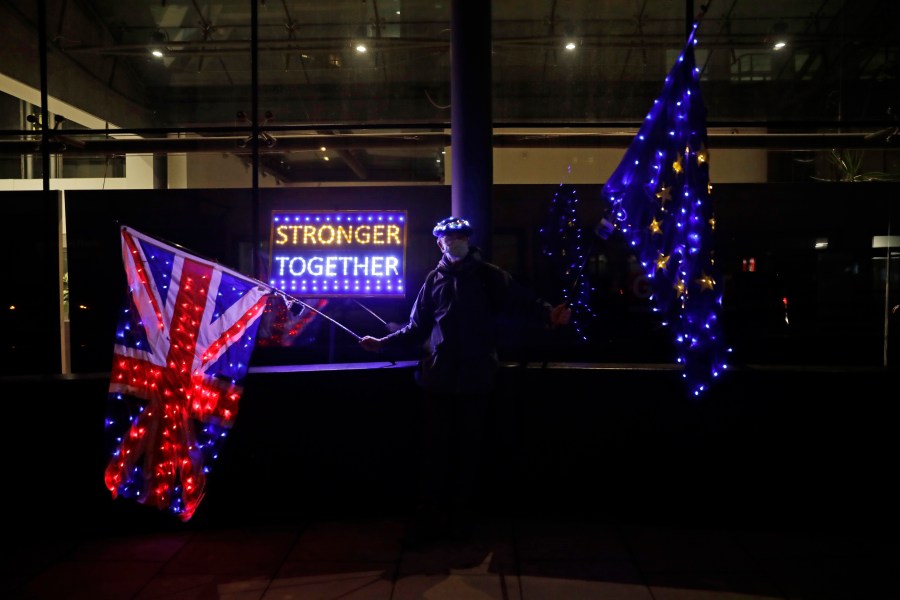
(452, 225)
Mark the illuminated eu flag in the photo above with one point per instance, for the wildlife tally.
(659, 199)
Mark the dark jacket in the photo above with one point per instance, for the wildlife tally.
(455, 318)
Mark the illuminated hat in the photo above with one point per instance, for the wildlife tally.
(452, 225)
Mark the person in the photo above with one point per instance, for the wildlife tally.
(455, 320)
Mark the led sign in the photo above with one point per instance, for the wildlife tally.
(338, 253)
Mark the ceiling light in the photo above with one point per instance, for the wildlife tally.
(779, 35)
(569, 36)
(359, 39)
(157, 45)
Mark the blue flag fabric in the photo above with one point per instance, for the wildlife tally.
(660, 199)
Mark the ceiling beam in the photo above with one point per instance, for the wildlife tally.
(888, 138)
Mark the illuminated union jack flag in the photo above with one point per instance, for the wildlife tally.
(182, 349)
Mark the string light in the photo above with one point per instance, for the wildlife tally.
(563, 240)
(312, 252)
(660, 205)
(175, 384)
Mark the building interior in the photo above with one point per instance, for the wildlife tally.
(199, 123)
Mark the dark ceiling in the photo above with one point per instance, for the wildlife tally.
(838, 72)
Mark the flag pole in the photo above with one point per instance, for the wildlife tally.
(318, 313)
(370, 311)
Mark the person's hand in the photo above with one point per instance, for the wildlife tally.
(560, 315)
(370, 343)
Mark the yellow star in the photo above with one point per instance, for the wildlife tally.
(679, 287)
(654, 227)
(662, 261)
(676, 166)
(712, 223)
(709, 188)
(664, 195)
(702, 155)
(706, 282)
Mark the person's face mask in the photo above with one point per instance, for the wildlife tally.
(456, 248)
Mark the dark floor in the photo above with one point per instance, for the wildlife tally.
(522, 557)
(780, 486)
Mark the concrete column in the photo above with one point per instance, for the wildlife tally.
(471, 122)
